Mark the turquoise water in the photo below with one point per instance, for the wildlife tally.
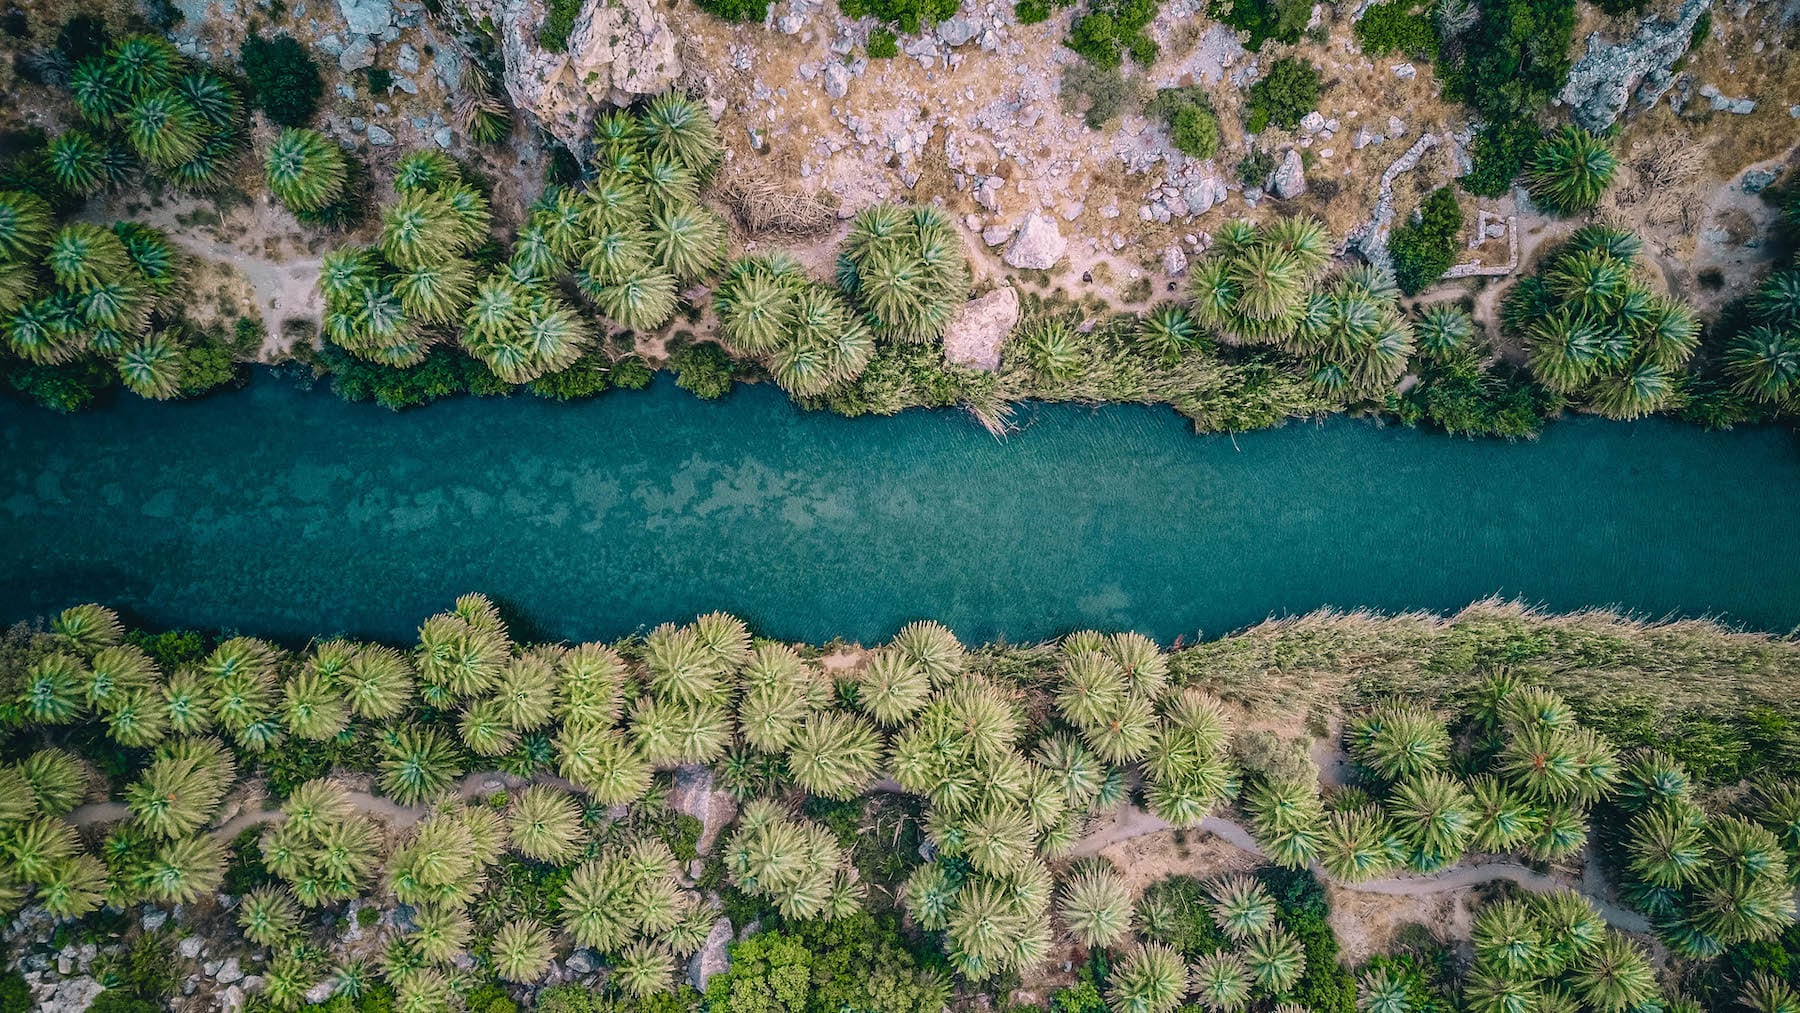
(287, 513)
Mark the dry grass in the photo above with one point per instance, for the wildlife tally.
(763, 208)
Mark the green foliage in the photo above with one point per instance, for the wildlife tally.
(1458, 395)
(1505, 59)
(1569, 170)
(559, 21)
(1424, 249)
(703, 370)
(909, 17)
(741, 11)
(855, 963)
(1098, 93)
(1397, 27)
(1109, 29)
(1286, 93)
(283, 78)
(883, 45)
(1188, 113)
(443, 373)
(1499, 154)
(15, 995)
(1281, 20)
(1033, 12)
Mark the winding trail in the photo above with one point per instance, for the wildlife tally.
(1129, 822)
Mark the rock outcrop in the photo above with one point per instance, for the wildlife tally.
(1289, 180)
(617, 51)
(1602, 82)
(975, 334)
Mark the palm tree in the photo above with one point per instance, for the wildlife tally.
(173, 797)
(440, 933)
(603, 764)
(1276, 960)
(1667, 847)
(1562, 350)
(545, 825)
(99, 91)
(667, 183)
(1287, 817)
(1150, 978)
(86, 629)
(1614, 976)
(1570, 169)
(615, 252)
(1399, 742)
(421, 990)
(1443, 329)
(1052, 348)
(996, 839)
(891, 689)
(1125, 732)
(268, 915)
(644, 969)
(304, 170)
(1359, 845)
(55, 689)
(1437, 819)
(183, 870)
(1096, 906)
(522, 951)
(755, 302)
(641, 302)
(1303, 238)
(834, 754)
(1506, 937)
(36, 847)
(775, 699)
(377, 682)
(675, 127)
(1503, 821)
(929, 895)
(933, 648)
(686, 240)
(143, 62)
(1242, 908)
(150, 367)
(984, 922)
(1489, 992)
(286, 981)
(1569, 926)
(77, 162)
(1071, 768)
(313, 707)
(82, 256)
(164, 128)
(668, 733)
(420, 228)
(416, 762)
(138, 718)
(1765, 993)
(827, 345)
(73, 887)
(1382, 990)
(527, 692)
(593, 677)
(1764, 362)
(1222, 981)
(57, 779)
(1592, 284)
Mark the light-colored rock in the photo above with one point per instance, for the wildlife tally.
(358, 54)
(1603, 81)
(366, 17)
(957, 31)
(1203, 196)
(190, 947)
(994, 235)
(1175, 261)
(231, 999)
(837, 80)
(1312, 122)
(1038, 245)
(618, 50)
(581, 962)
(406, 61)
(977, 331)
(1289, 179)
(987, 193)
(319, 992)
(1396, 127)
(1404, 71)
(228, 972)
(380, 136)
(714, 956)
(442, 137)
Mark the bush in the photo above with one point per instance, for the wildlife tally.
(64, 387)
(1105, 91)
(1188, 113)
(15, 995)
(1498, 155)
(1505, 67)
(741, 11)
(1281, 20)
(1288, 92)
(909, 16)
(444, 373)
(206, 365)
(704, 370)
(883, 45)
(587, 377)
(283, 78)
(1463, 399)
(1254, 168)
(559, 21)
(1396, 27)
(1425, 249)
(1112, 28)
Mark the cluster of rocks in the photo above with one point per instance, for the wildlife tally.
(1602, 82)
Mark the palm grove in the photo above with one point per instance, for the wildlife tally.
(1005, 768)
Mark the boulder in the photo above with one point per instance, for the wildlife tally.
(358, 54)
(1174, 261)
(837, 80)
(1038, 245)
(228, 972)
(977, 330)
(367, 17)
(1203, 196)
(714, 956)
(1312, 122)
(957, 31)
(1289, 180)
(617, 51)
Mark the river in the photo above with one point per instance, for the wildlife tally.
(285, 512)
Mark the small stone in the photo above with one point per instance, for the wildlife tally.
(190, 947)
(581, 962)
(790, 24)
(1038, 245)
(1758, 180)
(957, 31)
(442, 137)
(1361, 139)
(1289, 180)
(994, 235)
(379, 136)
(1404, 71)
(358, 54)
(1174, 261)
(1312, 122)
(231, 999)
(406, 61)
(366, 17)
(330, 45)
(346, 91)
(154, 918)
(228, 972)
(1396, 127)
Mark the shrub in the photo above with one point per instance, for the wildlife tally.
(1425, 249)
(1112, 28)
(559, 21)
(1288, 92)
(444, 373)
(15, 995)
(883, 45)
(63, 387)
(909, 16)
(704, 370)
(1254, 168)
(1188, 113)
(1396, 27)
(283, 78)
(1505, 65)
(588, 377)
(741, 11)
(1281, 20)
(1105, 90)
(1498, 155)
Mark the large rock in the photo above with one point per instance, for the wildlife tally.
(1038, 245)
(975, 334)
(1602, 82)
(1289, 180)
(367, 17)
(617, 51)
(714, 957)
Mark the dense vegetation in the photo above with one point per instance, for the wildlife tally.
(1425, 247)
(1505, 765)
